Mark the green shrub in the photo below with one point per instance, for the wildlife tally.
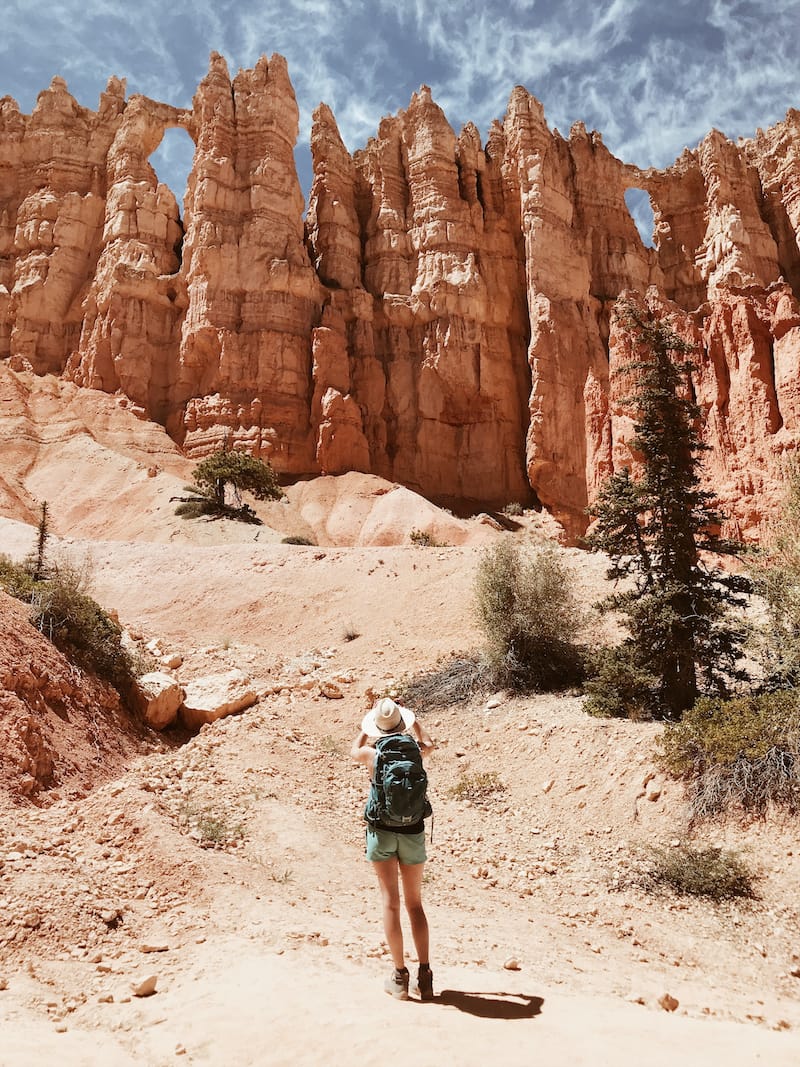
(77, 625)
(295, 539)
(529, 615)
(423, 539)
(713, 873)
(740, 752)
(213, 830)
(477, 787)
(777, 580)
(455, 680)
(196, 507)
(618, 688)
(15, 579)
(72, 620)
(513, 509)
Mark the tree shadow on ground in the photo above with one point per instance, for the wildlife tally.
(492, 1005)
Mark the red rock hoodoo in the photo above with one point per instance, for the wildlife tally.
(443, 315)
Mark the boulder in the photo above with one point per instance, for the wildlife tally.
(214, 696)
(159, 696)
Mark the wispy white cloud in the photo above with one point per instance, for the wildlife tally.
(652, 78)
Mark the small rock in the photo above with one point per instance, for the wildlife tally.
(548, 785)
(512, 964)
(3, 983)
(331, 691)
(106, 998)
(154, 946)
(667, 1002)
(145, 987)
(61, 1028)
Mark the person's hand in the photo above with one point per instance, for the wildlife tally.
(423, 737)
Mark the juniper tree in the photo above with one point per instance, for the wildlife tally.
(655, 528)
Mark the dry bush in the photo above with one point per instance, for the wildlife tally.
(478, 787)
(456, 680)
(743, 752)
(422, 539)
(529, 615)
(514, 509)
(712, 873)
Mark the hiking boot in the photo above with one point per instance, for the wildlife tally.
(396, 985)
(424, 986)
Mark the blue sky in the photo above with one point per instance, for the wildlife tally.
(653, 76)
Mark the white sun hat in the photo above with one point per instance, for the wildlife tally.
(387, 717)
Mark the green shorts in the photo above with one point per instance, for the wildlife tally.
(386, 845)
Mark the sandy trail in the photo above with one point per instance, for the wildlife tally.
(236, 1003)
(247, 978)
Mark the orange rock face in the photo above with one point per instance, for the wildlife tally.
(443, 316)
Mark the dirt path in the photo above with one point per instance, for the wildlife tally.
(235, 1002)
(231, 868)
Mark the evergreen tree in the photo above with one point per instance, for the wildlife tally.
(655, 527)
(241, 471)
(227, 469)
(35, 563)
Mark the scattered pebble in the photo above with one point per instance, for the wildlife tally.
(512, 964)
(145, 987)
(668, 1003)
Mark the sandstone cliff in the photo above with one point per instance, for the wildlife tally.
(443, 316)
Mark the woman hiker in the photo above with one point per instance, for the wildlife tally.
(395, 831)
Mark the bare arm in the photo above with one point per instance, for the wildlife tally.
(423, 738)
(362, 752)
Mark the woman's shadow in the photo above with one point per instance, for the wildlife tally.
(492, 1005)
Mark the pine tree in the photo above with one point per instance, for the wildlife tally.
(240, 470)
(228, 468)
(655, 528)
(35, 563)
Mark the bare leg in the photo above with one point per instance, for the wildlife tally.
(411, 876)
(386, 870)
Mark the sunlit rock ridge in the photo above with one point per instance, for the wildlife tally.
(441, 317)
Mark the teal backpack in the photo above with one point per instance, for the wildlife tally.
(398, 795)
